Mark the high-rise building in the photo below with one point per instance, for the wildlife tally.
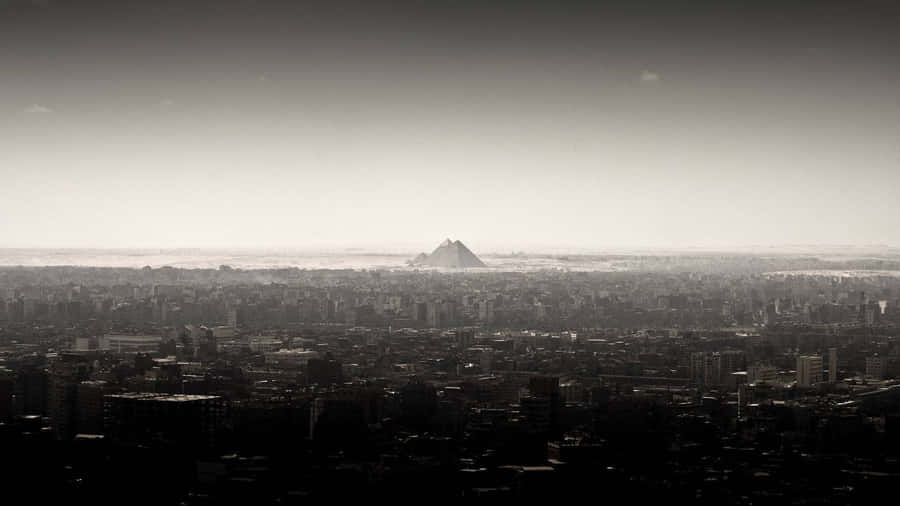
(712, 368)
(832, 365)
(420, 311)
(761, 373)
(730, 361)
(465, 338)
(435, 318)
(701, 367)
(418, 404)
(448, 312)
(183, 420)
(66, 372)
(232, 317)
(89, 412)
(31, 391)
(538, 412)
(324, 371)
(876, 366)
(544, 392)
(487, 310)
(809, 370)
(7, 384)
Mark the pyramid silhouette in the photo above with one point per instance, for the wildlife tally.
(449, 255)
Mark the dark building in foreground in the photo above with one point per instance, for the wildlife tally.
(324, 371)
(188, 421)
(7, 384)
(65, 373)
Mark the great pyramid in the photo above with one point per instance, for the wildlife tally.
(449, 255)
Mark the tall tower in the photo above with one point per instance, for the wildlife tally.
(66, 372)
(832, 365)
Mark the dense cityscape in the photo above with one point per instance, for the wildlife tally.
(226, 385)
(671, 271)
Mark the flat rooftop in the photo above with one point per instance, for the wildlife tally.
(147, 396)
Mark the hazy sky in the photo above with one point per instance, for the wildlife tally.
(505, 124)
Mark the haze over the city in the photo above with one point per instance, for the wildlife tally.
(282, 252)
(525, 126)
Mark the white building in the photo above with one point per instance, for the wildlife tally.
(762, 373)
(122, 343)
(290, 358)
(809, 370)
(265, 344)
(223, 332)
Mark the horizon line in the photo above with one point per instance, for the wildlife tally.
(405, 248)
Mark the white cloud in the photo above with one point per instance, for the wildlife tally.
(37, 109)
(650, 77)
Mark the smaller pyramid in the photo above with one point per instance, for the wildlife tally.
(449, 255)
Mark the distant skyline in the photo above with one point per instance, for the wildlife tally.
(508, 125)
(408, 250)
